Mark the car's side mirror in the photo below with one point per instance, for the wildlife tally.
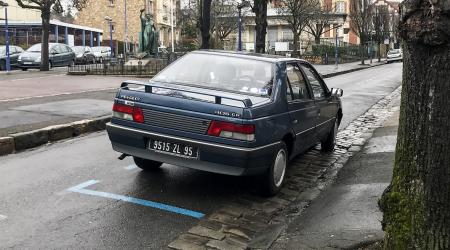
(337, 92)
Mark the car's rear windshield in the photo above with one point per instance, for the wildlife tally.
(230, 73)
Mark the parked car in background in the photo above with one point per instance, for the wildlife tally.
(394, 55)
(59, 55)
(83, 54)
(101, 53)
(226, 112)
(14, 53)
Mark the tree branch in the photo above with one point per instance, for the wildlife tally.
(27, 6)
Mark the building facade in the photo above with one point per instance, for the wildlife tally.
(125, 21)
(280, 36)
(16, 13)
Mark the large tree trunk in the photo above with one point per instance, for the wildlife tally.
(361, 52)
(379, 52)
(205, 23)
(45, 15)
(317, 39)
(260, 9)
(416, 205)
(295, 51)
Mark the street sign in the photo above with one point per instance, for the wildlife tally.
(281, 46)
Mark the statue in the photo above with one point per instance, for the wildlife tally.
(149, 35)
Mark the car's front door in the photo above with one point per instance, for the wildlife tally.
(323, 100)
(301, 106)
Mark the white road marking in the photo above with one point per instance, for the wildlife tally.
(3, 217)
(131, 167)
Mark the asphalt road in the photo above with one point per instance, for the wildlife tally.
(37, 209)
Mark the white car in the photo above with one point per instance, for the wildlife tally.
(394, 55)
(101, 53)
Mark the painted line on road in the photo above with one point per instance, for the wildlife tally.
(81, 188)
(131, 167)
(3, 217)
(59, 94)
(39, 77)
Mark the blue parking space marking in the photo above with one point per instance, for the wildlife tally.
(131, 167)
(81, 188)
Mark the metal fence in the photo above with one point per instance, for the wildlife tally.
(117, 66)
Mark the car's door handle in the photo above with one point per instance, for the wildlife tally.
(295, 121)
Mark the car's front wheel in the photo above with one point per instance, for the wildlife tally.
(146, 165)
(2, 65)
(272, 180)
(329, 144)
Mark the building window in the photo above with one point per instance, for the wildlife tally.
(340, 7)
(287, 35)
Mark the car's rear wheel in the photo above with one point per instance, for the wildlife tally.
(272, 180)
(24, 69)
(146, 165)
(2, 65)
(329, 144)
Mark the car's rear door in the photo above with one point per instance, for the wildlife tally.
(323, 101)
(301, 106)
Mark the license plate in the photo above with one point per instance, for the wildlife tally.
(177, 149)
(27, 63)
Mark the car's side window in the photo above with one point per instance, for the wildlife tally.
(317, 88)
(297, 88)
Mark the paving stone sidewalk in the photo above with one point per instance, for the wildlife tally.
(346, 214)
(252, 222)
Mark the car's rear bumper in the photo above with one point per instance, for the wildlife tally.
(212, 157)
(29, 65)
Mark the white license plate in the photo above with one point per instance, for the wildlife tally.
(177, 149)
(27, 63)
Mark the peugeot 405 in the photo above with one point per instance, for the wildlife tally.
(226, 112)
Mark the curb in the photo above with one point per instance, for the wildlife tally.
(351, 70)
(26, 140)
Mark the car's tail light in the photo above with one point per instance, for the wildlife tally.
(128, 113)
(231, 130)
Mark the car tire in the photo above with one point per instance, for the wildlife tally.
(50, 64)
(24, 69)
(2, 65)
(72, 63)
(272, 181)
(329, 144)
(147, 165)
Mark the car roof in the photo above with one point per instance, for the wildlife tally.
(249, 55)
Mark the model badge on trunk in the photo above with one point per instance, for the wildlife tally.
(226, 113)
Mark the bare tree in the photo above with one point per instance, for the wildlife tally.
(224, 19)
(298, 14)
(260, 9)
(361, 22)
(381, 24)
(189, 17)
(204, 22)
(416, 204)
(46, 7)
(320, 23)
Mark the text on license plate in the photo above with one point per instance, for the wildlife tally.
(173, 148)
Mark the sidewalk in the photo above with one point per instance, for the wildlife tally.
(346, 214)
(330, 70)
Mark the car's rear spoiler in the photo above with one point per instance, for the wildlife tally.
(218, 98)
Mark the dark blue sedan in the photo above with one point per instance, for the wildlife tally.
(226, 112)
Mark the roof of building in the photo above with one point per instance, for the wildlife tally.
(54, 22)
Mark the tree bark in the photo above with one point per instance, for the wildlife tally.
(260, 9)
(416, 205)
(45, 15)
(379, 52)
(205, 23)
(361, 52)
(317, 39)
(295, 51)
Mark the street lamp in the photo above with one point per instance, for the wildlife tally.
(109, 20)
(8, 61)
(240, 6)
